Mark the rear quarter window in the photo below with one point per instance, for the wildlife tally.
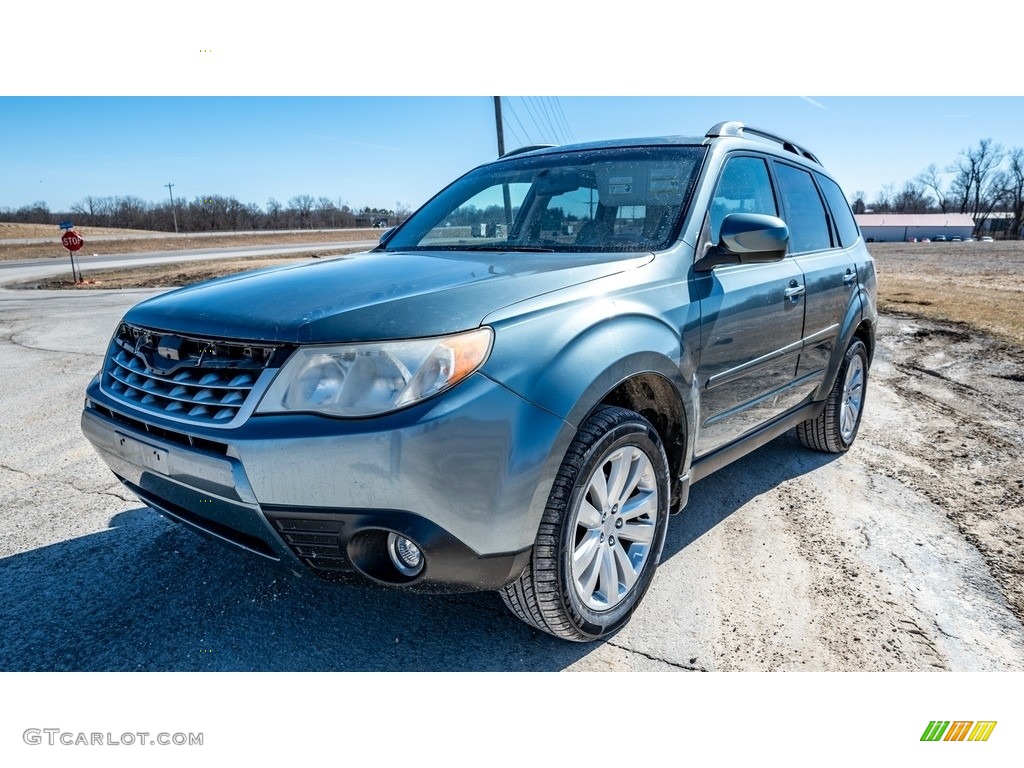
(841, 213)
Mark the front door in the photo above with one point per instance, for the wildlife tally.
(752, 319)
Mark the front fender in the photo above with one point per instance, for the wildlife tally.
(577, 359)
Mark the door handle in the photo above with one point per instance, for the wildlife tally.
(849, 277)
(795, 290)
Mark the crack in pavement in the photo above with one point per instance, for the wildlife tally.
(652, 657)
(67, 484)
(18, 471)
(14, 342)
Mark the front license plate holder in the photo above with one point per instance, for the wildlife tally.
(143, 454)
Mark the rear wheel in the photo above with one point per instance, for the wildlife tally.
(602, 532)
(834, 430)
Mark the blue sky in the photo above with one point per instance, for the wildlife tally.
(396, 99)
(379, 151)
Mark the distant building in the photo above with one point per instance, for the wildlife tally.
(997, 224)
(901, 227)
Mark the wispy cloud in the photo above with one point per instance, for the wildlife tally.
(817, 104)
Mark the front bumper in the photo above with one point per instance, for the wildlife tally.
(465, 475)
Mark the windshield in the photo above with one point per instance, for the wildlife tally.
(584, 201)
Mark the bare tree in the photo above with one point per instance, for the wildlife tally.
(976, 182)
(303, 206)
(89, 209)
(403, 211)
(883, 200)
(273, 214)
(253, 216)
(37, 213)
(931, 178)
(327, 211)
(130, 212)
(911, 199)
(1014, 192)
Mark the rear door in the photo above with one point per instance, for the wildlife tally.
(828, 267)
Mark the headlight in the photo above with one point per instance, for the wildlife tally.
(369, 379)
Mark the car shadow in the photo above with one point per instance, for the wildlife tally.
(146, 594)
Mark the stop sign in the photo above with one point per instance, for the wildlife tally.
(72, 240)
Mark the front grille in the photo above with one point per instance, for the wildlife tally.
(203, 381)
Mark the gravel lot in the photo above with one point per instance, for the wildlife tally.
(904, 554)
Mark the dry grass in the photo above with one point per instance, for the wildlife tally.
(978, 284)
(12, 231)
(181, 243)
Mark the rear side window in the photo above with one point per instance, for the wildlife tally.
(841, 214)
(805, 213)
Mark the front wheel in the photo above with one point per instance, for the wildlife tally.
(834, 430)
(602, 532)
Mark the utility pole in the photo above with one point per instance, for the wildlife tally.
(174, 213)
(499, 125)
(501, 151)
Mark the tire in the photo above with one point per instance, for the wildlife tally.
(602, 532)
(835, 429)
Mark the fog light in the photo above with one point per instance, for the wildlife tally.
(405, 555)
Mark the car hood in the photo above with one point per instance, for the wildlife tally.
(372, 296)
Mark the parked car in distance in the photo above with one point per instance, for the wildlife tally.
(987, 239)
(519, 385)
(940, 239)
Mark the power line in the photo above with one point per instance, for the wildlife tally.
(561, 113)
(529, 111)
(547, 116)
(540, 111)
(520, 141)
(511, 109)
(548, 112)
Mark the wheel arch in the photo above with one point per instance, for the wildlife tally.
(854, 326)
(635, 361)
(656, 399)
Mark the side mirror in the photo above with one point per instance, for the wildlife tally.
(747, 238)
(386, 235)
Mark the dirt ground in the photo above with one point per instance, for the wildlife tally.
(963, 393)
(981, 284)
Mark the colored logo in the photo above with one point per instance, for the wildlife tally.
(958, 730)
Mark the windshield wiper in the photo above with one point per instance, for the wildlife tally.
(507, 247)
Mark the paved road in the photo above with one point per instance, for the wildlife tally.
(165, 235)
(787, 560)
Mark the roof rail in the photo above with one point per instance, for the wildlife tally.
(738, 129)
(528, 148)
